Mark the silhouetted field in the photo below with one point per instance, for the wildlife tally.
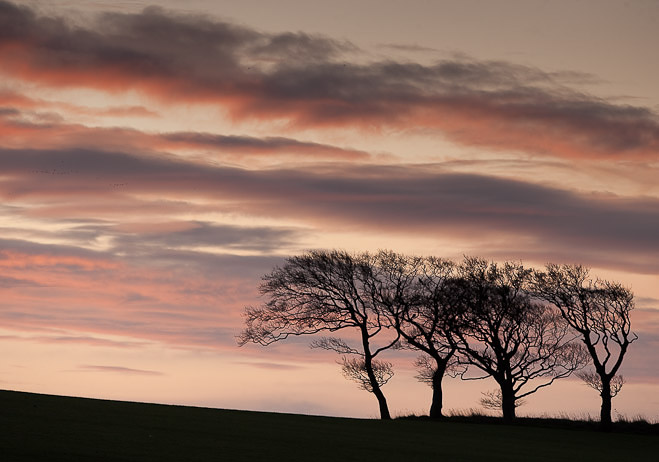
(49, 428)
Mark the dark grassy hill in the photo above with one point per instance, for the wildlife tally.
(48, 428)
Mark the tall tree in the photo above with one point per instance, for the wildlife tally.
(523, 345)
(420, 312)
(599, 311)
(324, 291)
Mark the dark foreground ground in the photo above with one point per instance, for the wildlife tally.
(48, 428)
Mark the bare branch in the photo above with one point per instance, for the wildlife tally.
(355, 369)
(594, 381)
(492, 400)
(335, 344)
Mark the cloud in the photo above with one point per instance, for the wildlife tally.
(18, 126)
(15, 104)
(264, 365)
(262, 146)
(117, 369)
(6, 282)
(396, 199)
(312, 82)
(182, 298)
(408, 47)
(199, 234)
(84, 340)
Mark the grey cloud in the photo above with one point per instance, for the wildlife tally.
(8, 111)
(407, 47)
(268, 145)
(201, 234)
(9, 282)
(157, 43)
(308, 80)
(227, 265)
(57, 250)
(300, 47)
(423, 199)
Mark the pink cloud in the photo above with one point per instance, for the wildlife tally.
(498, 105)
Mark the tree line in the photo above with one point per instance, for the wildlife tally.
(524, 327)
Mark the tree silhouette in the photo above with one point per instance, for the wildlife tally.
(507, 335)
(599, 311)
(324, 291)
(421, 315)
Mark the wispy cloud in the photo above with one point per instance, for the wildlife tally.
(273, 365)
(424, 199)
(117, 370)
(495, 104)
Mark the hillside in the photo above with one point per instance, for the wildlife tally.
(50, 428)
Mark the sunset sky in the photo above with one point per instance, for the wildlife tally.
(156, 161)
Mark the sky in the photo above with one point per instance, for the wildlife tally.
(157, 159)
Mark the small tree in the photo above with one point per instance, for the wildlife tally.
(503, 332)
(323, 291)
(599, 311)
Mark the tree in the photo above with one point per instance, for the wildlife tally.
(420, 312)
(506, 334)
(324, 291)
(599, 311)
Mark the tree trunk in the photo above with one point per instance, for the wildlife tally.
(377, 391)
(382, 402)
(437, 394)
(605, 412)
(507, 402)
(375, 386)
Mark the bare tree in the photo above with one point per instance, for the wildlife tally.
(501, 330)
(421, 315)
(324, 291)
(599, 311)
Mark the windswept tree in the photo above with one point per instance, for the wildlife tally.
(324, 291)
(522, 344)
(417, 305)
(599, 311)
